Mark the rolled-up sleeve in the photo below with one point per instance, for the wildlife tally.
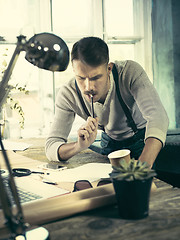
(149, 104)
(61, 126)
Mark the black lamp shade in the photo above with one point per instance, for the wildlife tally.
(47, 51)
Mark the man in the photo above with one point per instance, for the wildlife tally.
(94, 77)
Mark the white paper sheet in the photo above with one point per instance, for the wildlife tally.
(91, 172)
(38, 187)
(14, 146)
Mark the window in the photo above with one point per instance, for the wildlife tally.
(119, 29)
(119, 18)
(72, 19)
(124, 25)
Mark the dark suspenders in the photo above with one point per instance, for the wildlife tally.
(123, 105)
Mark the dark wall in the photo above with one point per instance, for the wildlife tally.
(166, 58)
(176, 55)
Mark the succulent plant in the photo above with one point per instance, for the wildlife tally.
(134, 170)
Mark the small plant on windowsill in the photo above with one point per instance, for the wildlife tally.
(14, 104)
(132, 184)
(11, 101)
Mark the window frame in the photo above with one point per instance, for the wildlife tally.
(142, 41)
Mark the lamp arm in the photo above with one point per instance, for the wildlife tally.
(15, 221)
(57, 60)
(4, 87)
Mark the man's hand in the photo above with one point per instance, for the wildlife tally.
(87, 133)
(86, 136)
(151, 150)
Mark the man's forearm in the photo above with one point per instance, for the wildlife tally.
(151, 150)
(68, 150)
(86, 136)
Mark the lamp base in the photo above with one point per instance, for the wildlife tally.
(39, 233)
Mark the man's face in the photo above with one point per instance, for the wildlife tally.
(92, 80)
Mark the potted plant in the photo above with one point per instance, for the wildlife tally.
(132, 184)
(11, 102)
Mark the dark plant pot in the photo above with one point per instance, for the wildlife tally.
(133, 198)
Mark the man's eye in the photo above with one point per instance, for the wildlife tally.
(94, 79)
(81, 78)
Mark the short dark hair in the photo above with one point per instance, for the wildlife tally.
(92, 51)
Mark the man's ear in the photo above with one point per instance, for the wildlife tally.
(110, 67)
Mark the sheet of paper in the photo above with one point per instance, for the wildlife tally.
(38, 187)
(91, 172)
(14, 146)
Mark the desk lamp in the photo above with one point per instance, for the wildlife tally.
(46, 51)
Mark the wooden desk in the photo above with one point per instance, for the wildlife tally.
(103, 223)
(163, 222)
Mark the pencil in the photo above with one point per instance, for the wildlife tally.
(92, 106)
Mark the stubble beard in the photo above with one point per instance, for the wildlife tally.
(103, 98)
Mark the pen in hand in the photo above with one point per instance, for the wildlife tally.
(92, 106)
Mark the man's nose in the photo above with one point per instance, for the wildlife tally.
(88, 84)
